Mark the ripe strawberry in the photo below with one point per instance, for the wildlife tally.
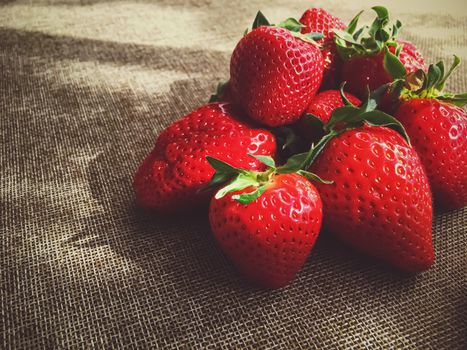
(409, 55)
(438, 130)
(372, 56)
(320, 21)
(380, 201)
(266, 223)
(321, 107)
(275, 71)
(169, 178)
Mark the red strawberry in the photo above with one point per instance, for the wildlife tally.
(372, 56)
(409, 56)
(380, 201)
(266, 223)
(320, 21)
(438, 130)
(169, 178)
(274, 73)
(321, 106)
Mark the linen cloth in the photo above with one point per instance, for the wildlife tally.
(85, 88)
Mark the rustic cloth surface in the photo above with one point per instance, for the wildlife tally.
(85, 88)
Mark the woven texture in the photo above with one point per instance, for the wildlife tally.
(85, 88)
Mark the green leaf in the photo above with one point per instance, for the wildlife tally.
(396, 28)
(455, 64)
(340, 114)
(378, 118)
(353, 23)
(398, 49)
(315, 121)
(459, 100)
(291, 24)
(314, 35)
(346, 37)
(314, 177)
(260, 20)
(217, 179)
(247, 198)
(315, 150)
(433, 76)
(366, 40)
(304, 37)
(266, 160)
(221, 166)
(345, 100)
(381, 11)
(239, 183)
(393, 65)
(293, 164)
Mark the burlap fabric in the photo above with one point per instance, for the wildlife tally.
(85, 87)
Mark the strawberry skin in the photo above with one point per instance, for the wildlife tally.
(270, 238)
(169, 178)
(321, 106)
(324, 103)
(380, 202)
(319, 20)
(410, 56)
(438, 131)
(274, 75)
(362, 71)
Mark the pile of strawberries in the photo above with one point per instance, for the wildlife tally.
(320, 123)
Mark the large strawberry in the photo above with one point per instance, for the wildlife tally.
(169, 178)
(372, 56)
(380, 200)
(275, 71)
(437, 126)
(319, 20)
(265, 222)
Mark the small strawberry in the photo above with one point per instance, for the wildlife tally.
(169, 178)
(275, 71)
(380, 200)
(437, 126)
(266, 222)
(319, 20)
(321, 107)
(372, 56)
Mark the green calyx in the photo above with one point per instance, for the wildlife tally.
(371, 40)
(291, 24)
(236, 179)
(430, 85)
(350, 117)
(346, 118)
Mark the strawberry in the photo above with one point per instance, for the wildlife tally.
(275, 71)
(380, 200)
(321, 107)
(409, 56)
(437, 126)
(266, 222)
(372, 56)
(320, 21)
(169, 178)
